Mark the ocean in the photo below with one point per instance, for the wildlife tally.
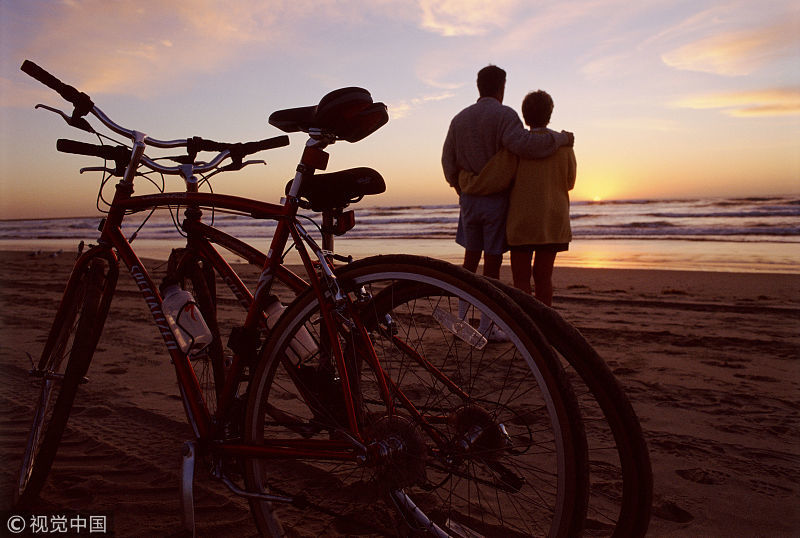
(730, 234)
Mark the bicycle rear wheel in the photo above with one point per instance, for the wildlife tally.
(620, 474)
(62, 367)
(476, 438)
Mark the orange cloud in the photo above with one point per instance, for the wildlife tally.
(737, 53)
(402, 109)
(465, 17)
(770, 102)
(133, 47)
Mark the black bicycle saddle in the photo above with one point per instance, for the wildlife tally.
(337, 190)
(348, 113)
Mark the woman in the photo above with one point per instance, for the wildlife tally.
(538, 212)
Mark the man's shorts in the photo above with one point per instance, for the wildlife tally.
(482, 223)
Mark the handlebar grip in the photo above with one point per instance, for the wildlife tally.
(82, 148)
(237, 150)
(78, 99)
(269, 143)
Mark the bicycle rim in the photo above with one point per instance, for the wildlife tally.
(69, 349)
(491, 440)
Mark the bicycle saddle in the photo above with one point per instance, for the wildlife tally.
(337, 190)
(348, 113)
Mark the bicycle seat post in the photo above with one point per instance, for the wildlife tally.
(327, 230)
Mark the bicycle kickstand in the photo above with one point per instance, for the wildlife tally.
(187, 487)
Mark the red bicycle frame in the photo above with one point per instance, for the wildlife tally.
(113, 246)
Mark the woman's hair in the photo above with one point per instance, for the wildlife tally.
(537, 107)
(491, 79)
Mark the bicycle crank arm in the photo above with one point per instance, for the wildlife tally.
(260, 496)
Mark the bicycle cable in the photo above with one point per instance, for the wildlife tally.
(293, 245)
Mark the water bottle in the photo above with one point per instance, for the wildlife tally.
(185, 320)
(459, 327)
(303, 344)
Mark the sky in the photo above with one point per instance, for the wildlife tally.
(667, 98)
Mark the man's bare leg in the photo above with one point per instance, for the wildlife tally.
(491, 265)
(471, 259)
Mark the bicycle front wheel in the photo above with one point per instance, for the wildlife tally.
(479, 434)
(62, 367)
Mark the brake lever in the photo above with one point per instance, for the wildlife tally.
(99, 169)
(234, 167)
(79, 123)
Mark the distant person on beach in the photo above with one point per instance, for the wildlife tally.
(475, 135)
(538, 209)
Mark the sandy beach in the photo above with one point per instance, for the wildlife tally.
(708, 359)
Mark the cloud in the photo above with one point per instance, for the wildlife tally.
(144, 47)
(606, 66)
(13, 93)
(401, 109)
(739, 52)
(641, 123)
(465, 17)
(769, 102)
(127, 47)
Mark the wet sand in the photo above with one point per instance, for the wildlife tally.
(709, 360)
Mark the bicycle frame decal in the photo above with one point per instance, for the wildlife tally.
(240, 296)
(264, 280)
(155, 307)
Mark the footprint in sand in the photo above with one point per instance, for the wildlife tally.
(724, 364)
(670, 511)
(117, 371)
(701, 476)
(759, 378)
(96, 411)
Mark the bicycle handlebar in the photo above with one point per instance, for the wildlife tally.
(82, 148)
(121, 155)
(79, 99)
(237, 150)
(83, 105)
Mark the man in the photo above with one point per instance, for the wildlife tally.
(476, 134)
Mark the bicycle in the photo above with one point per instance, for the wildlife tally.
(617, 450)
(367, 387)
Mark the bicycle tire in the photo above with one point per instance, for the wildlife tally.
(633, 504)
(66, 357)
(478, 484)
